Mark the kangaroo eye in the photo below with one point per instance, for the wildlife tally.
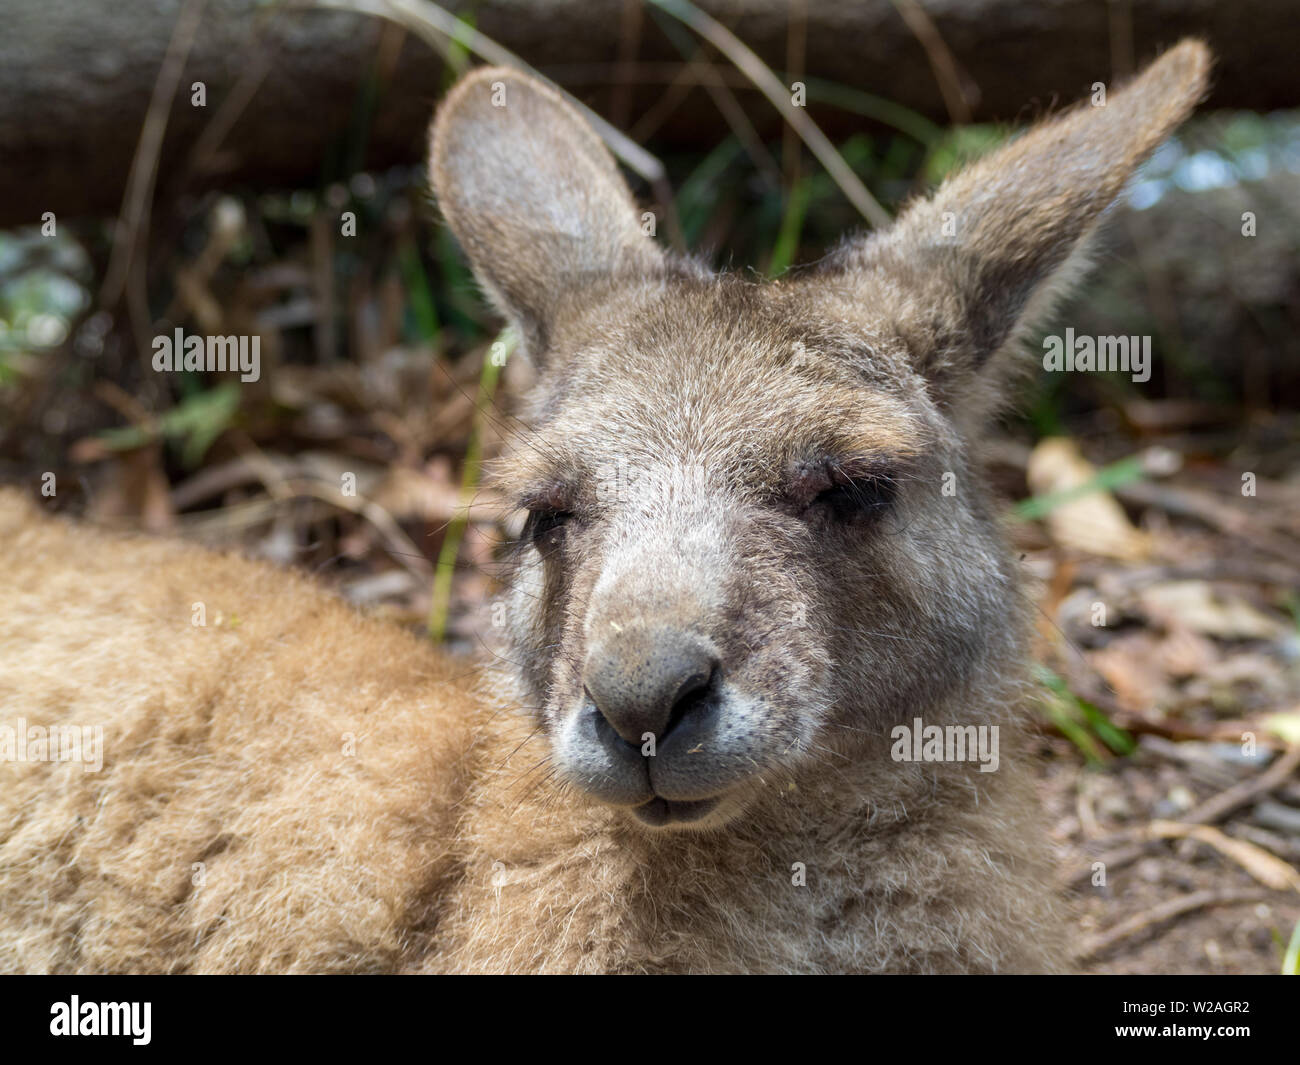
(545, 526)
(857, 499)
(843, 495)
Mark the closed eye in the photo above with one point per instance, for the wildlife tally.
(842, 492)
(856, 499)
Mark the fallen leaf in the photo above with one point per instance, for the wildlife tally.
(1196, 606)
(1093, 522)
(1268, 869)
(1184, 653)
(1131, 666)
(1285, 725)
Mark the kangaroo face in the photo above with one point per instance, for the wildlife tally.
(753, 541)
(737, 558)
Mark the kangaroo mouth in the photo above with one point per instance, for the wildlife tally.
(660, 812)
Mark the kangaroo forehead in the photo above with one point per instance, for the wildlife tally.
(711, 437)
(724, 345)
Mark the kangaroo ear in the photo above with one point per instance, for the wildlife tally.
(533, 197)
(966, 272)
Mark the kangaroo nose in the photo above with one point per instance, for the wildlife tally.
(647, 679)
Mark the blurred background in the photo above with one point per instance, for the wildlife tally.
(245, 168)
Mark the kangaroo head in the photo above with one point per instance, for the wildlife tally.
(755, 538)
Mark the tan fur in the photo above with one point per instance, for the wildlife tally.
(431, 847)
(223, 745)
(293, 787)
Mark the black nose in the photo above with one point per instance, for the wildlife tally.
(647, 679)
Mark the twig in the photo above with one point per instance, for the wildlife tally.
(700, 71)
(1284, 847)
(133, 220)
(232, 107)
(1268, 869)
(400, 546)
(422, 16)
(1218, 807)
(629, 43)
(796, 48)
(1111, 860)
(778, 95)
(940, 56)
(1278, 815)
(1191, 503)
(214, 480)
(676, 89)
(729, 107)
(1141, 841)
(1166, 911)
(282, 488)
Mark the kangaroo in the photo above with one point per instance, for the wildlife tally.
(756, 554)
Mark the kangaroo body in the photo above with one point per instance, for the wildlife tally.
(293, 787)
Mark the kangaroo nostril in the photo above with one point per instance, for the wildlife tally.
(605, 731)
(693, 693)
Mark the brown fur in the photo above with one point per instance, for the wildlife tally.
(352, 801)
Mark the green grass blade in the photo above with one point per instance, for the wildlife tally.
(447, 556)
(1116, 475)
(877, 108)
(1291, 962)
(196, 421)
(787, 240)
(419, 292)
(1079, 719)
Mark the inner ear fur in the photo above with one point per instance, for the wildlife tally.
(966, 272)
(533, 197)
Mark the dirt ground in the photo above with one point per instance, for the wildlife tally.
(1230, 937)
